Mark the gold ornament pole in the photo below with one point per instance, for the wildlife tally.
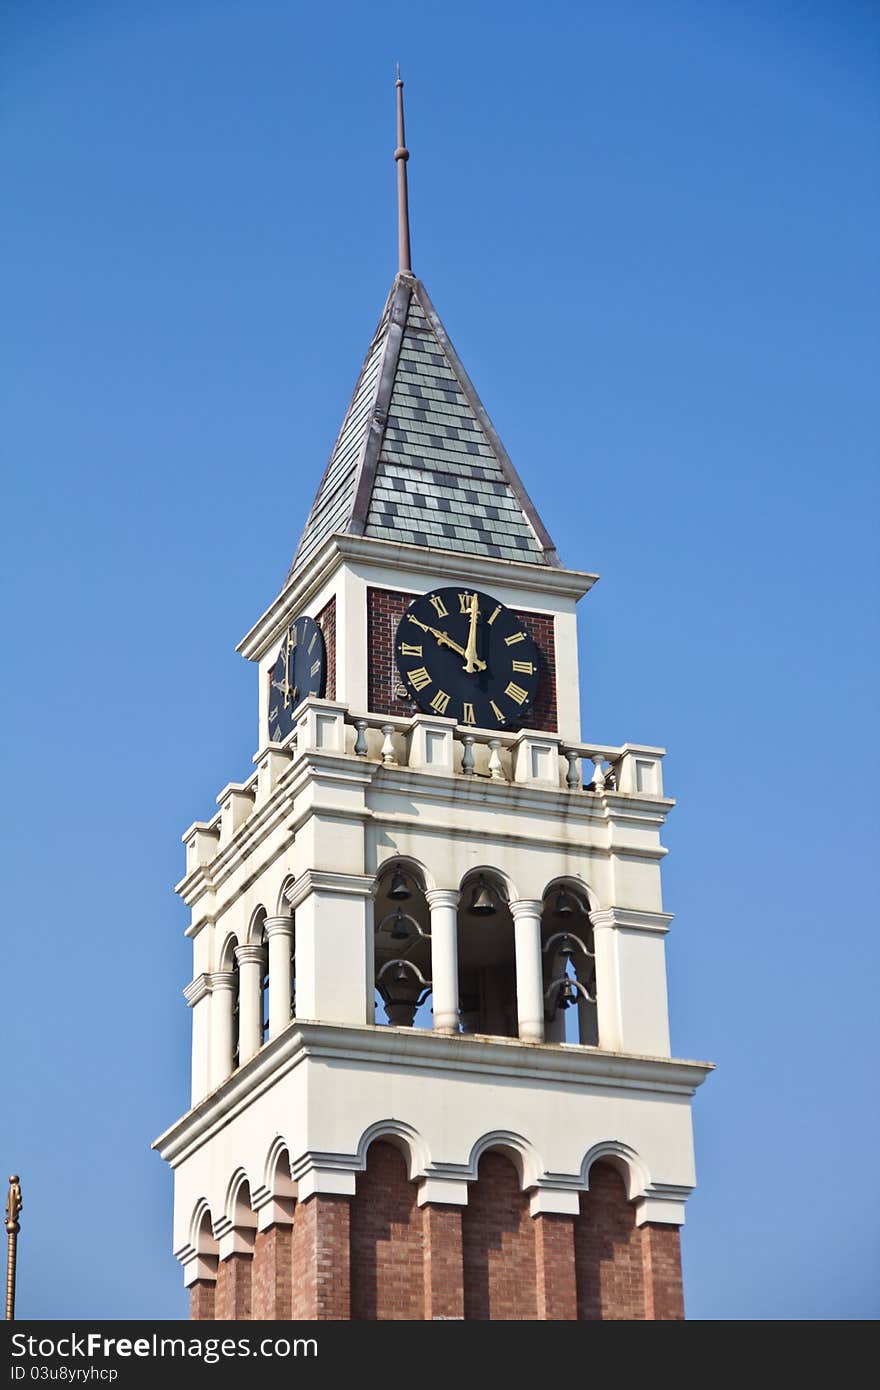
(13, 1211)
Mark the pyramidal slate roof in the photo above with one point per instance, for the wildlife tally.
(417, 458)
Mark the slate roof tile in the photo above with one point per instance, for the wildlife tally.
(437, 473)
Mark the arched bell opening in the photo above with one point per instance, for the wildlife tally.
(569, 965)
(486, 958)
(228, 1002)
(402, 947)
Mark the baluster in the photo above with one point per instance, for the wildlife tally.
(495, 770)
(598, 782)
(467, 755)
(387, 746)
(360, 743)
(573, 775)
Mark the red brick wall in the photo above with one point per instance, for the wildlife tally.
(232, 1300)
(326, 621)
(498, 1241)
(387, 1241)
(444, 1282)
(609, 1264)
(272, 1276)
(201, 1300)
(386, 607)
(664, 1295)
(554, 1260)
(319, 1258)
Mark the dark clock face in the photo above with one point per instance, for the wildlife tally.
(462, 654)
(300, 670)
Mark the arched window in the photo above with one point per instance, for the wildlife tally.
(486, 962)
(569, 965)
(402, 948)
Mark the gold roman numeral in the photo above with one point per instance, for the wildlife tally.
(313, 641)
(516, 637)
(439, 606)
(410, 649)
(467, 713)
(273, 714)
(494, 615)
(316, 666)
(516, 693)
(497, 713)
(440, 701)
(419, 677)
(464, 601)
(527, 667)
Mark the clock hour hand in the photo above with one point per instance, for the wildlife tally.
(444, 640)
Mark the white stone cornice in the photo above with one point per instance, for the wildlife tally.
(426, 1052)
(631, 919)
(414, 559)
(326, 881)
(663, 1204)
(197, 990)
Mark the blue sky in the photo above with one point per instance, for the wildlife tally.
(651, 231)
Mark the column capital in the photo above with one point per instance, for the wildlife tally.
(525, 907)
(250, 955)
(197, 990)
(443, 897)
(327, 881)
(223, 979)
(278, 926)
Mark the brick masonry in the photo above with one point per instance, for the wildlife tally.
(326, 621)
(201, 1300)
(386, 607)
(387, 1241)
(498, 1241)
(232, 1299)
(272, 1283)
(320, 1260)
(444, 1263)
(379, 1256)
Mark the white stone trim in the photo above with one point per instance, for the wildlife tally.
(422, 1049)
(325, 881)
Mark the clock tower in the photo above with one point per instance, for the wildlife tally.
(431, 1069)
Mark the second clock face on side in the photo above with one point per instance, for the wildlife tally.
(300, 670)
(462, 654)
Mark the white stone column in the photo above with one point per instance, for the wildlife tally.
(223, 983)
(251, 965)
(443, 903)
(334, 947)
(279, 933)
(631, 1001)
(198, 995)
(526, 914)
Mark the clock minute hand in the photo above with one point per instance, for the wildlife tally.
(472, 661)
(444, 640)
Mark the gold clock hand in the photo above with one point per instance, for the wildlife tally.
(472, 661)
(444, 640)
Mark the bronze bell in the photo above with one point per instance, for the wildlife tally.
(482, 904)
(399, 891)
(563, 906)
(566, 949)
(567, 995)
(399, 929)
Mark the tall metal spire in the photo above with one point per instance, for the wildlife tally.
(401, 155)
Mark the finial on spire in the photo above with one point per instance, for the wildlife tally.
(401, 155)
